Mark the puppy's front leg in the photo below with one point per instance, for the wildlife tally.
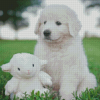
(68, 85)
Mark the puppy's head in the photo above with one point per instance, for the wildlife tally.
(56, 21)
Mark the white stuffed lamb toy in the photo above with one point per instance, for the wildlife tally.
(27, 76)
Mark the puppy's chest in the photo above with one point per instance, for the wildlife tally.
(52, 57)
(54, 62)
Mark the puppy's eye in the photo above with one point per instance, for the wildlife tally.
(58, 23)
(19, 69)
(45, 22)
(33, 65)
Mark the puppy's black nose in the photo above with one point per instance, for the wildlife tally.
(47, 33)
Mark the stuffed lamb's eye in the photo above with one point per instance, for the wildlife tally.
(45, 22)
(19, 69)
(58, 23)
(33, 65)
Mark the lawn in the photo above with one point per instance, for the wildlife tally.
(9, 47)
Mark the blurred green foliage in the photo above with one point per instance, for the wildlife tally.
(11, 10)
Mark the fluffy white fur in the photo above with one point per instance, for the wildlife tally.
(28, 78)
(67, 63)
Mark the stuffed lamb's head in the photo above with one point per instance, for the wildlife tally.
(23, 65)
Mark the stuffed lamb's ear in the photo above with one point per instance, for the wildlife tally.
(38, 24)
(6, 67)
(43, 62)
(74, 26)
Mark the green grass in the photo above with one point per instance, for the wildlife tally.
(92, 50)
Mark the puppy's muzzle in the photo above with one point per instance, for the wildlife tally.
(47, 33)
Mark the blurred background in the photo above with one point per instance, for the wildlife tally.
(18, 17)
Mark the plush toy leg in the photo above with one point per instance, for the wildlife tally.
(41, 91)
(12, 96)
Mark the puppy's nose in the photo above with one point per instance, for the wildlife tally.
(47, 33)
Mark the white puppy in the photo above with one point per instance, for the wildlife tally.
(60, 45)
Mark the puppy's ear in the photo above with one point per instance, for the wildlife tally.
(74, 25)
(38, 24)
(6, 67)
